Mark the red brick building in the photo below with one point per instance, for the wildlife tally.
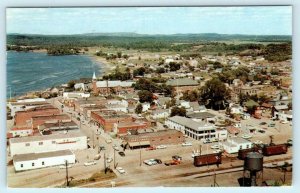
(23, 118)
(107, 118)
(164, 137)
(39, 120)
(124, 127)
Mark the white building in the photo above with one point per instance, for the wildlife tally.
(31, 161)
(160, 114)
(47, 143)
(233, 145)
(72, 95)
(284, 115)
(146, 106)
(236, 109)
(191, 128)
(24, 106)
(21, 132)
(221, 134)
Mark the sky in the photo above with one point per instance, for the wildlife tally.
(256, 20)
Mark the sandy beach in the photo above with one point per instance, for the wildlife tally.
(104, 66)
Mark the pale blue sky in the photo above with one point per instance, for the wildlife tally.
(257, 20)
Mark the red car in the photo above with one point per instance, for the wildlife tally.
(151, 148)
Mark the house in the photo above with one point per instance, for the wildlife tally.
(183, 84)
(233, 145)
(221, 134)
(146, 106)
(191, 128)
(160, 113)
(23, 162)
(162, 101)
(284, 115)
(57, 127)
(164, 137)
(48, 143)
(236, 109)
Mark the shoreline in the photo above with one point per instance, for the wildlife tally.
(104, 68)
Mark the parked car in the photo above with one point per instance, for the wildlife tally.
(150, 162)
(151, 148)
(263, 123)
(89, 163)
(109, 159)
(207, 141)
(108, 141)
(158, 161)
(64, 166)
(177, 157)
(271, 125)
(161, 147)
(121, 153)
(284, 122)
(116, 148)
(290, 142)
(120, 170)
(186, 144)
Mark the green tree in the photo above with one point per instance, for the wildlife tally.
(214, 94)
(139, 109)
(180, 111)
(145, 96)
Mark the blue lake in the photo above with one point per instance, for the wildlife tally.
(31, 71)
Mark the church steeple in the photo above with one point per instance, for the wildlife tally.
(94, 76)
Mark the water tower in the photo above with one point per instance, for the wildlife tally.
(253, 163)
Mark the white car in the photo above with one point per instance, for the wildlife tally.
(109, 159)
(89, 163)
(64, 166)
(284, 122)
(216, 146)
(161, 147)
(120, 170)
(186, 144)
(150, 162)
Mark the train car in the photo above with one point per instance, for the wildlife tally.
(208, 159)
(275, 149)
(243, 152)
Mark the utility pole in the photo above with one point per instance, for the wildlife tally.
(104, 163)
(114, 158)
(67, 175)
(200, 148)
(140, 153)
(215, 179)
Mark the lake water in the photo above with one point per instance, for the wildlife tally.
(33, 71)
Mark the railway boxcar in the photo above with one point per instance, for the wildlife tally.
(243, 152)
(208, 159)
(275, 149)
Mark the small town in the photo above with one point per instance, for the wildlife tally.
(111, 133)
(126, 97)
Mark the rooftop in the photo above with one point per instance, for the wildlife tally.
(35, 156)
(200, 115)
(182, 82)
(190, 123)
(114, 83)
(47, 137)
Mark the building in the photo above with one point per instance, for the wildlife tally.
(164, 137)
(20, 132)
(107, 118)
(23, 106)
(124, 128)
(31, 161)
(191, 128)
(23, 118)
(286, 116)
(75, 95)
(39, 120)
(160, 113)
(233, 145)
(202, 116)
(48, 143)
(112, 87)
(183, 84)
(57, 127)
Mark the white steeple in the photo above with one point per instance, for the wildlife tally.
(94, 76)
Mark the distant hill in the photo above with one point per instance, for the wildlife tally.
(91, 39)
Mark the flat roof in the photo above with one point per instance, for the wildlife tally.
(51, 116)
(201, 115)
(153, 134)
(189, 123)
(35, 156)
(47, 137)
